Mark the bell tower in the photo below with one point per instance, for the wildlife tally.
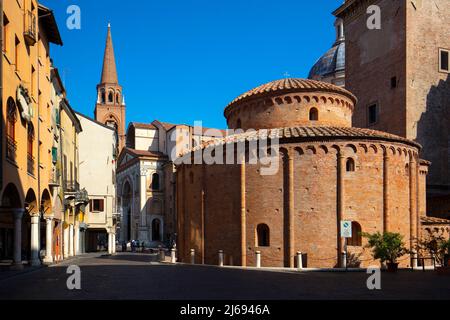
(110, 106)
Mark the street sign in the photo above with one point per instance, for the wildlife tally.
(346, 229)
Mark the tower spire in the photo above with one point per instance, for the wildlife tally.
(109, 72)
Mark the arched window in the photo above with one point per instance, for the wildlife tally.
(155, 181)
(263, 235)
(156, 230)
(407, 169)
(118, 98)
(356, 239)
(111, 97)
(11, 119)
(238, 124)
(103, 96)
(313, 114)
(350, 165)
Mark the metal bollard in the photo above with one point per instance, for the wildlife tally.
(162, 255)
(344, 260)
(258, 259)
(173, 256)
(299, 260)
(192, 256)
(220, 258)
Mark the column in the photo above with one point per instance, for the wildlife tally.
(48, 240)
(340, 205)
(77, 238)
(17, 215)
(143, 198)
(291, 206)
(243, 216)
(114, 243)
(35, 240)
(413, 200)
(66, 243)
(71, 240)
(110, 243)
(386, 161)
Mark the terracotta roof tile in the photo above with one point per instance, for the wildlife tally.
(310, 133)
(291, 85)
(432, 220)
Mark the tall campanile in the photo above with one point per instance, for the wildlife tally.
(110, 106)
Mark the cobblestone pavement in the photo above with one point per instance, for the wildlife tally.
(138, 276)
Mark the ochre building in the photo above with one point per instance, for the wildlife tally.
(328, 172)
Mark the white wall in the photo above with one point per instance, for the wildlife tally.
(96, 144)
(147, 140)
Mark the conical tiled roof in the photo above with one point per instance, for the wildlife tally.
(109, 72)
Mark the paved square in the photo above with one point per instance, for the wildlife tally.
(136, 276)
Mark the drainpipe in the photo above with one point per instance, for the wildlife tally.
(1, 97)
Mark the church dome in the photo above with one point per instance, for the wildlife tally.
(291, 102)
(331, 66)
(330, 63)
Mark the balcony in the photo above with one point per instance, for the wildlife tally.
(71, 186)
(30, 33)
(55, 178)
(30, 164)
(11, 149)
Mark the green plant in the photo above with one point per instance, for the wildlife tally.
(387, 246)
(436, 246)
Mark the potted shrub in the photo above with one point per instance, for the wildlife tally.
(387, 247)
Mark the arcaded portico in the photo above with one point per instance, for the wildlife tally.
(328, 172)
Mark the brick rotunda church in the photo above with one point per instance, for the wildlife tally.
(328, 172)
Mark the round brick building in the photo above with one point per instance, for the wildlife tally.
(327, 172)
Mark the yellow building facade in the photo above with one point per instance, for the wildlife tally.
(27, 138)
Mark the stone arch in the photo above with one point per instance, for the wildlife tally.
(110, 95)
(112, 116)
(288, 99)
(312, 149)
(31, 202)
(323, 99)
(46, 203)
(297, 99)
(373, 148)
(331, 100)
(324, 149)
(102, 96)
(279, 100)
(11, 197)
(364, 147)
(336, 148)
(299, 150)
(352, 147)
(307, 99)
(316, 99)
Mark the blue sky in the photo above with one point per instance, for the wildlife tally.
(184, 60)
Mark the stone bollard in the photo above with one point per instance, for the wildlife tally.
(299, 261)
(192, 256)
(162, 255)
(258, 259)
(344, 260)
(173, 256)
(220, 258)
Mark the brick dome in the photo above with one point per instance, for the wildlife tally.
(290, 102)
